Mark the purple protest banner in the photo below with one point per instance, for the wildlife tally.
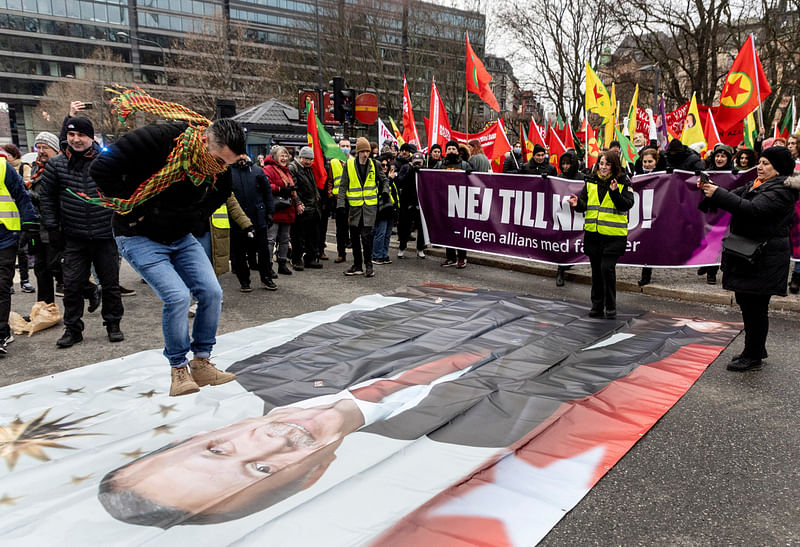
(527, 216)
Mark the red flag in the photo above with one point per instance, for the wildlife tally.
(711, 133)
(536, 134)
(745, 87)
(501, 147)
(478, 79)
(410, 134)
(318, 166)
(569, 141)
(556, 147)
(592, 148)
(438, 126)
(527, 145)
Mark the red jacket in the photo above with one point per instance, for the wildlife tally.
(278, 177)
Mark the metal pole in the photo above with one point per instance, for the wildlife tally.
(319, 63)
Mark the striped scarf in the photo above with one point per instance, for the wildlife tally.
(188, 160)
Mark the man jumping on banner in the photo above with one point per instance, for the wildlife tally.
(163, 181)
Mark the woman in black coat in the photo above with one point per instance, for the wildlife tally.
(607, 180)
(761, 211)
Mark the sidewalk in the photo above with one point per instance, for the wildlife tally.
(674, 283)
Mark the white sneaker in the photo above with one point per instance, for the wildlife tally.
(401, 254)
(420, 254)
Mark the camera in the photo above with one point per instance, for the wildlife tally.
(88, 106)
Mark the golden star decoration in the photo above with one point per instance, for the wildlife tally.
(70, 391)
(148, 394)
(117, 388)
(164, 410)
(77, 479)
(30, 438)
(165, 429)
(134, 454)
(19, 395)
(8, 500)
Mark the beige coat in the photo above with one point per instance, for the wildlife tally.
(221, 238)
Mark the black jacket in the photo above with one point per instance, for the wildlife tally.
(532, 168)
(65, 176)
(686, 160)
(253, 192)
(306, 186)
(513, 163)
(574, 171)
(762, 214)
(600, 244)
(181, 209)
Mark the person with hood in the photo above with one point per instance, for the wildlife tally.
(434, 156)
(409, 207)
(570, 169)
(605, 201)
(513, 162)
(650, 160)
(539, 163)
(363, 181)
(680, 156)
(762, 212)
(86, 228)
(452, 161)
(305, 244)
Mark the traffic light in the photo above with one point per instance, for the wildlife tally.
(349, 104)
(338, 99)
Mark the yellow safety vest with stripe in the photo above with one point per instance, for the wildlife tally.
(358, 195)
(337, 169)
(219, 219)
(603, 218)
(9, 214)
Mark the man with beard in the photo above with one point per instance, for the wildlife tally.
(452, 161)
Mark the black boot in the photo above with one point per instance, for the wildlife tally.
(560, 277)
(794, 284)
(647, 276)
(114, 334)
(69, 338)
(283, 269)
(94, 300)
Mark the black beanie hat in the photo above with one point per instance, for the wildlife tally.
(408, 147)
(780, 158)
(451, 143)
(81, 125)
(538, 148)
(675, 146)
(435, 146)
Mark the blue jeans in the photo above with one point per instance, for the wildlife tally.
(172, 271)
(382, 235)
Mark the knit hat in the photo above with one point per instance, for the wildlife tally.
(362, 145)
(48, 139)
(780, 158)
(417, 158)
(724, 148)
(675, 147)
(434, 147)
(451, 143)
(408, 147)
(81, 125)
(538, 148)
(307, 153)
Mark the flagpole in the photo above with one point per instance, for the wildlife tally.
(758, 88)
(466, 113)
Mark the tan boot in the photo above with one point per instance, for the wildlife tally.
(182, 382)
(205, 373)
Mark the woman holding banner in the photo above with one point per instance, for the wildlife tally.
(755, 256)
(605, 200)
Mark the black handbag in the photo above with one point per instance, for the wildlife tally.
(743, 247)
(281, 203)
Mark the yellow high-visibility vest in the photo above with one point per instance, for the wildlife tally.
(337, 169)
(603, 218)
(219, 219)
(9, 214)
(358, 195)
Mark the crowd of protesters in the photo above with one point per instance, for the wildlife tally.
(276, 218)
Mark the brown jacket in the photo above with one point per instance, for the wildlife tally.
(221, 238)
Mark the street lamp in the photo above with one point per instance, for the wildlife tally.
(657, 70)
(122, 34)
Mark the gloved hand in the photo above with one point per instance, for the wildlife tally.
(250, 232)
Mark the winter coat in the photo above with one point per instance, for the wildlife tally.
(458, 165)
(480, 163)
(594, 243)
(685, 160)
(512, 166)
(364, 213)
(65, 176)
(761, 214)
(181, 209)
(29, 220)
(574, 171)
(282, 184)
(532, 168)
(221, 238)
(253, 192)
(306, 187)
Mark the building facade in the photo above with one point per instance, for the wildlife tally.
(43, 42)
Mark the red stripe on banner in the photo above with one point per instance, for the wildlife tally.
(613, 419)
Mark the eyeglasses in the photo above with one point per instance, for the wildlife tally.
(385, 165)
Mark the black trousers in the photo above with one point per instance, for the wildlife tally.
(47, 269)
(409, 215)
(755, 315)
(79, 256)
(245, 250)
(453, 254)
(604, 281)
(322, 222)
(8, 258)
(342, 232)
(22, 260)
(304, 234)
(361, 235)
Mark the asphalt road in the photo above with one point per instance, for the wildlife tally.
(720, 468)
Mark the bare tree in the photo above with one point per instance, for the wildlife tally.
(556, 38)
(222, 61)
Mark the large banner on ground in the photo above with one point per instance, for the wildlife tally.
(527, 216)
(434, 416)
